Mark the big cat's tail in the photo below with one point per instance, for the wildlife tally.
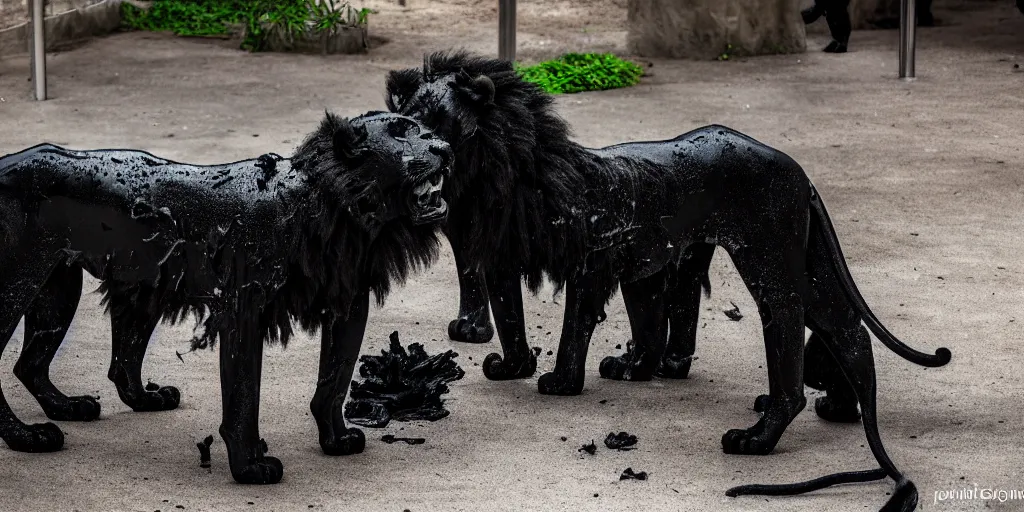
(828, 232)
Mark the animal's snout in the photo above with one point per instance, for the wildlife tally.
(443, 151)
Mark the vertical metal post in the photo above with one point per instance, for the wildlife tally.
(507, 30)
(908, 37)
(39, 49)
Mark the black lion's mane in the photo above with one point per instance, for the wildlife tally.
(326, 256)
(516, 196)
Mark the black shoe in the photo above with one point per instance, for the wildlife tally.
(835, 47)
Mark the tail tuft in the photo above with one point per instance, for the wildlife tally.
(904, 499)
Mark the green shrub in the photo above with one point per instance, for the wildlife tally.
(262, 18)
(578, 72)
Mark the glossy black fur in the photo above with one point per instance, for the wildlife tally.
(520, 157)
(247, 247)
(634, 214)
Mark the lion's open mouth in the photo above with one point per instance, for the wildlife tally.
(426, 203)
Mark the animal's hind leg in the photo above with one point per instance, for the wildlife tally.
(645, 305)
(775, 285)
(25, 274)
(822, 372)
(46, 325)
(851, 346)
(682, 304)
(131, 329)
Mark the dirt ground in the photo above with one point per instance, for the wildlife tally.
(923, 179)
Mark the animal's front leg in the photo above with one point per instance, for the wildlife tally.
(339, 352)
(241, 365)
(645, 305)
(584, 302)
(131, 328)
(517, 360)
(682, 304)
(474, 322)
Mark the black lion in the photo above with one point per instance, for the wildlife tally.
(527, 201)
(247, 246)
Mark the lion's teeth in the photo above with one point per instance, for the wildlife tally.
(428, 187)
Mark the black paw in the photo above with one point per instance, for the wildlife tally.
(835, 47)
(463, 329)
(551, 384)
(350, 443)
(76, 408)
(163, 399)
(747, 442)
(621, 368)
(495, 368)
(810, 15)
(836, 411)
(674, 367)
(264, 471)
(38, 438)
(761, 403)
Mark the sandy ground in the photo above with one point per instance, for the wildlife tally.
(923, 180)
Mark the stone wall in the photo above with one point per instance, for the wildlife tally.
(15, 12)
(702, 29)
(67, 22)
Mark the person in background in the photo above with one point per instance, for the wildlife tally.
(837, 15)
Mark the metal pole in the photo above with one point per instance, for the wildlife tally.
(507, 30)
(39, 49)
(908, 37)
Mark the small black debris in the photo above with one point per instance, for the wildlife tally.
(204, 452)
(602, 401)
(618, 347)
(589, 448)
(628, 474)
(734, 313)
(595, 495)
(622, 441)
(536, 351)
(390, 439)
(152, 387)
(565, 438)
(550, 352)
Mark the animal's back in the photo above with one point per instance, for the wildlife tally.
(707, 149)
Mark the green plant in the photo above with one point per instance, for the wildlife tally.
(727, 53)
(264, 20)
(578, 72)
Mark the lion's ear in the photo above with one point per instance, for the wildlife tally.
(400, 85)
(479, 90)
(347, 139)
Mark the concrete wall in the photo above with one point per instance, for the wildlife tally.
(67, 21)
(15, 12)
(702, 29)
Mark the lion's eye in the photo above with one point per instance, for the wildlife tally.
(396, 130)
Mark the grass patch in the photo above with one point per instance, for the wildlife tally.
(262, 19)
(579, 72)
